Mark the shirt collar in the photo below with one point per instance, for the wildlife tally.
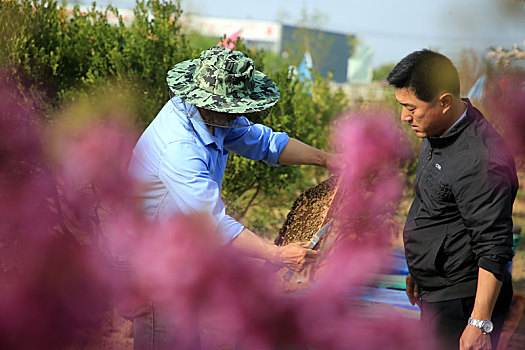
(201, 129)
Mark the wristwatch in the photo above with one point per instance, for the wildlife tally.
(486, 326)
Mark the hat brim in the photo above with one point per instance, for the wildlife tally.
(181, 83)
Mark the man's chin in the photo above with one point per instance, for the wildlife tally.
(420, 134)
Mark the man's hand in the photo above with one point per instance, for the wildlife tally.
(299, 153)
(296, 256)
(474, 339)
(486, 295)
(335, 163)
(293, 256)
(412, 291)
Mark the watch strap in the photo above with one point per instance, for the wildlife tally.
(480, 324)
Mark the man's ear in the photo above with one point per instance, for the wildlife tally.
(445, 101)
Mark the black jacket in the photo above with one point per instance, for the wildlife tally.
(461, 216)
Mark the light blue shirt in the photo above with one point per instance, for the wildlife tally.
(179, 164)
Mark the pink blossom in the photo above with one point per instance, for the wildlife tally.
(51, 285)
(67, 212)
(230, 41)
(505, 103)
(182, 265)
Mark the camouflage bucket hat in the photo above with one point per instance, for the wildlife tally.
(223, 80)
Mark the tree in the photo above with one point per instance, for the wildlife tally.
(309, 38)
(62, 57)
(383, 71)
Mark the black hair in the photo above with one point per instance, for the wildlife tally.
(426, 72)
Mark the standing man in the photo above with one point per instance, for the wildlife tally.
(458, 232)
(181, 157)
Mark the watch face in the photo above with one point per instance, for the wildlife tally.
(488, 326)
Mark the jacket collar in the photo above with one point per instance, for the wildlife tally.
(472, 114)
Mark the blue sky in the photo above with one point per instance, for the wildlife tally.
(393, 27)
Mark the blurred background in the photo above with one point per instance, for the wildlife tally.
(386, 30)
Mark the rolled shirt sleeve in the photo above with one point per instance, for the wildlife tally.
(185, 170)
(484, 193)
(257, 142)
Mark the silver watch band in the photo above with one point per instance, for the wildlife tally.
(485, 325)
(475, 323)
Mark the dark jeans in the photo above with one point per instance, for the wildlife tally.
(448, 319)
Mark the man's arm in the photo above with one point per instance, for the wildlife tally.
(486, 296)
(293, 256)
(299, 153)
(484, 192)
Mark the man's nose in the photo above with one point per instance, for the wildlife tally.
(406, 116)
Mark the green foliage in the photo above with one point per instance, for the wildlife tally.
(274, 63)
(383, 71)
(63, 56)
(201, 42)
(253, 184)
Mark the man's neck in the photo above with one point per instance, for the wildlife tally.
(456, 111)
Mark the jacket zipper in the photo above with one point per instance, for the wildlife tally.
(429, 157)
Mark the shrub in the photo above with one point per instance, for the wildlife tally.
(59, 56)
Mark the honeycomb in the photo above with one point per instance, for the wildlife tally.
(308, 213)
